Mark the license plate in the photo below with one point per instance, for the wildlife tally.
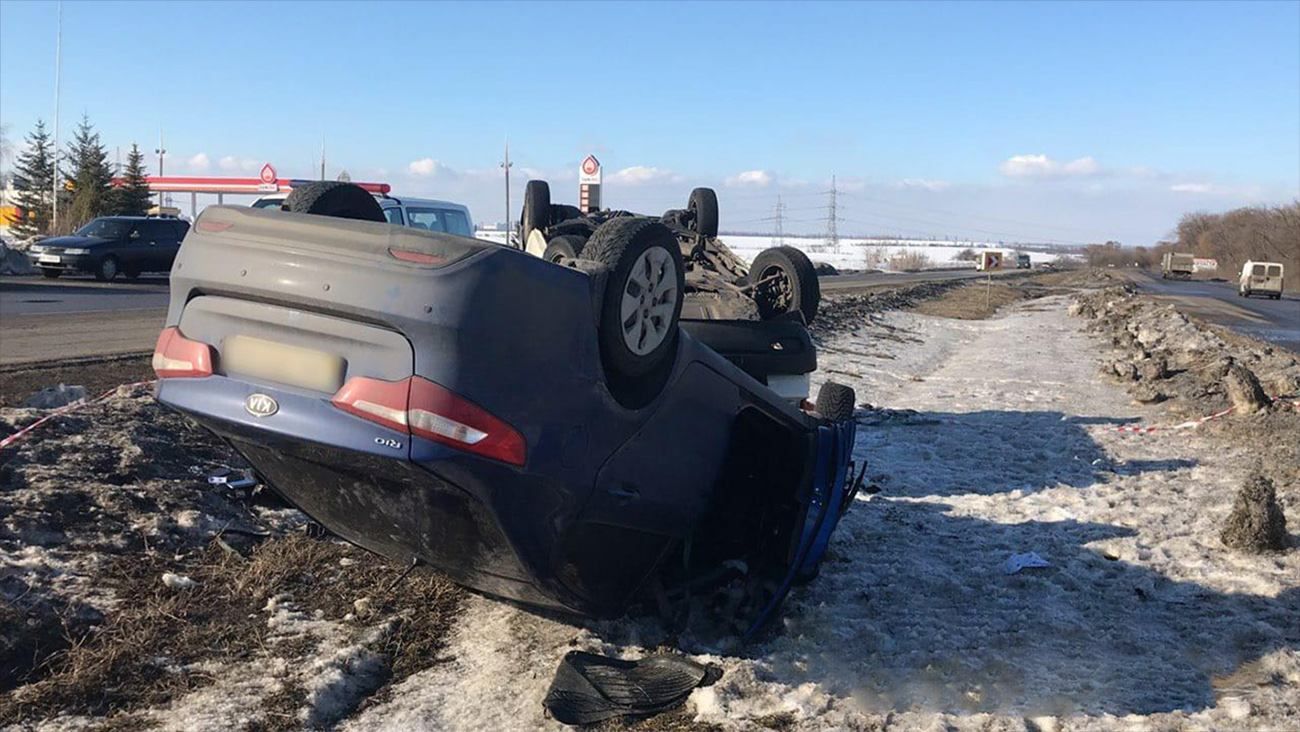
(282, 363)
(48, 259)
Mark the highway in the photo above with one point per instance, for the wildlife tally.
(1276, 321)
(76, 317)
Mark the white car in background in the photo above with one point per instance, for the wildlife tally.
(418, 213)
(1260, 278)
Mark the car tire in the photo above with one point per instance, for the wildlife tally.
(642, 297)
(703, 205)
(51, 274)
(836, 402)
(563, 247)
(107, 269)
(334, 198)
(785, 280)
(536, 213)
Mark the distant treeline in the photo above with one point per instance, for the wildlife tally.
(1268, 233)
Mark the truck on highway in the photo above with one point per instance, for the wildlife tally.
(1023, 261)
(1260, 278)
(1176, 265)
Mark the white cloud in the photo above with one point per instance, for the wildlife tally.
(1191, 188)
(428, 167)
(1082, 166)
(198, 162)
(639, 174)
(923, 184)
(1041, 166)
(232, 164)
(755, 178)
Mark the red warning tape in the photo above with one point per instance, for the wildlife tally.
(1194, 423)
(15, 437)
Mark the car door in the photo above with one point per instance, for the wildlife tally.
(140, 256)
(170, 244)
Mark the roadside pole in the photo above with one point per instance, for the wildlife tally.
(505, 164)
(58, 80)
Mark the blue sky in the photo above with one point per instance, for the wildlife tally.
(1072, 122)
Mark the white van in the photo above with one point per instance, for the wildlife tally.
(417, 213)
(1260, 278)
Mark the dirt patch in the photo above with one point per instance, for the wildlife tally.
(982, 299)
(97, 505)
(1256, 523)
(159, 642)
(99, 375)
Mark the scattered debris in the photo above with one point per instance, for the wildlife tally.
(589, 688)
(178, 581)
(1256, 523)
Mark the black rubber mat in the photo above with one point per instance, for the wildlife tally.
(589, 688)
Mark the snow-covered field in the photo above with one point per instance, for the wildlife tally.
(874, 253)
(856, 253)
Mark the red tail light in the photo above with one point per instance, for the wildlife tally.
(177, 357)
(378, 401)
(422, 408)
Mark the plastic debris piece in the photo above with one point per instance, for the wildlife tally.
(589, 688)
(1028, 560)
(178, 581)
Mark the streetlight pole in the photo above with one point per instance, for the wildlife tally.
(506, 165)
(162, 153)
(58, 80)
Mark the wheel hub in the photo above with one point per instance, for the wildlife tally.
(649, 296)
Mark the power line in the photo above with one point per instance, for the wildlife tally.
(780, 216)
(930, 211)
(832, 219)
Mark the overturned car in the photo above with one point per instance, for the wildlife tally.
(781, 281)
(546, 434)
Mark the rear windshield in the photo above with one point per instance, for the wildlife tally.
(445, 220)
(1257, 271)
(1275, 270)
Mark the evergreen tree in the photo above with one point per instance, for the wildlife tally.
(91, 176)
(33, 179)
(132, 198)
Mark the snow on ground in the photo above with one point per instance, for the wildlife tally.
(874, 253)
(996, 437)
(855, 253)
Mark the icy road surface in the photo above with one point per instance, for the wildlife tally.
(913, 624)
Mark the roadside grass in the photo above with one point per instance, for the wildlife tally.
(152, 648)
